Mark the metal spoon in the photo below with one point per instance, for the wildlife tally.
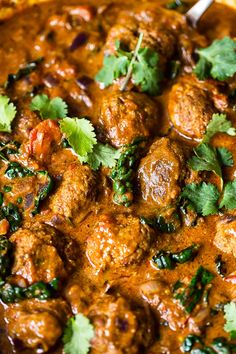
(194, 14)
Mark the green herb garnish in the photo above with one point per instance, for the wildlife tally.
(230, 318)
(11, 293)
(159, 223)
(45, 186)
(123, 173)
(218, 60)
(218, 124)
(193, 293)
(141, 65)
(13, 216)
(202, 197)
(81, 137)
(229, 196)
(5, 256)
(169, 260)
(78, 335)
(219, 346)
(7, 114)
(15, 170)
(54, 108)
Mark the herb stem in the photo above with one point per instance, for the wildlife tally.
(130, 68)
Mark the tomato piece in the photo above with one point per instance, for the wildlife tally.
(43, 138)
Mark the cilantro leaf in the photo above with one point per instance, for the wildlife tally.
(230, 317)
(146, 72)
(218, 124)
(225, 157)
(113, 68)
(7, 114)
(218, 60)
(77, 335)
(202, 197)
(104, 155)
(49, 108)
(206, 159)
(80, 135)
(229, 196)
(142, 65)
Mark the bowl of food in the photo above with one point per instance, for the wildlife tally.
(117, 177)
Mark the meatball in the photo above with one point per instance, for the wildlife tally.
(120, 327)
(35, 324)
(160, 173)
(128, 115)
(225, 238)
(40, 254)
(75, 192)
(117, 241)
(160, 28)
(191, 105)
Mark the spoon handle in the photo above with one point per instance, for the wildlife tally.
(195, 13)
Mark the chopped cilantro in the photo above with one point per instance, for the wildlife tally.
(206, 159)
(230, 317)
(49, 108)
(218, 60)
(82, 138)
(229, 196)
(218, 124)
(80, 135)
(141, 65)
(225, 157)
(7, 114)
(146, 73)
(202, 197)
(102, 155)
(77, 335)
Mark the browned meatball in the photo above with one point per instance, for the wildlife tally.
(118, 240)
(120, 327)
(40, 254)
(128, 115)
(225, 238)
(36, 324)
(160, 173)
(75, 192)
(164, 31)
(191, 105)
(159, 26)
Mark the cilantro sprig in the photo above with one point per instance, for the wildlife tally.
(49, 108)
(82, 138)
(79, 132)
(7, 114)
(230, 317)
(218, 124)
(80, 135)
(140, 65)
(218, 60)
(229, 196)
(77, 335)
(204, 197)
